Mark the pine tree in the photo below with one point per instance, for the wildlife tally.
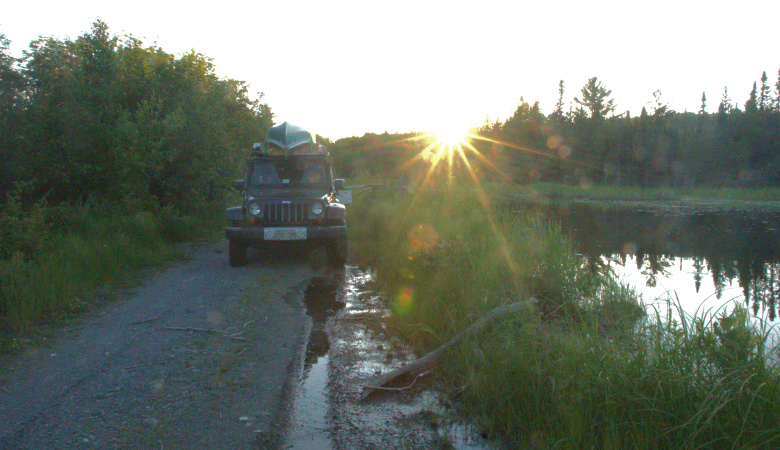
(751, 105)
(764, 99)
(777, 93)
(660, 109)
(703, 108)
(725, 102)
(595, 97)
(558, 113)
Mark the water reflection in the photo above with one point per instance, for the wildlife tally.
(727, 246)
(321, 303)
(310, 426)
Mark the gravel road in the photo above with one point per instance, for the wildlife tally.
(139, 372)
(144, 371)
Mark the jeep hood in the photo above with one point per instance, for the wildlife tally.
(274, 193)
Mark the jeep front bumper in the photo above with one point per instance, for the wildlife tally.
(251, 235)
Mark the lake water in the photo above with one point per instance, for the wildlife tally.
(705, 254)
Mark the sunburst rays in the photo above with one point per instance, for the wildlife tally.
(455, 157)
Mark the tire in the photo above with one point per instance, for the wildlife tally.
(237, 252)
(337, 251)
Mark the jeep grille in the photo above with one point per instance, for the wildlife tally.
(285, 212)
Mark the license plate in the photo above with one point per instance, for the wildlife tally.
(285, 234)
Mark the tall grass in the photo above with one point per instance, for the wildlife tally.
(81, 257)
(587, 371)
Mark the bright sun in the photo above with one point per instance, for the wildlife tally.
(451, 135)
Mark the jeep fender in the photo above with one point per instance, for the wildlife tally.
(335, 211)
(234, 213)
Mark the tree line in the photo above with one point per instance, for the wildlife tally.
(589, 143)
(107, 119)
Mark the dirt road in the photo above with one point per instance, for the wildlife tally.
(145, 372)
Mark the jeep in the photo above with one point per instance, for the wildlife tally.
(289, 196)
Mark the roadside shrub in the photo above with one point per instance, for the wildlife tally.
(23, 230)
(176, 228)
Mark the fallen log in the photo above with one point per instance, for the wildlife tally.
(420, 365)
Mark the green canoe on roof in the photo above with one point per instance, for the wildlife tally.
(287, 137)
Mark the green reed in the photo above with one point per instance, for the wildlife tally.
(589, 369)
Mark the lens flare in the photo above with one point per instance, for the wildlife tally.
(564, 151)
(554, 141)
(403, 301)
(423, 236)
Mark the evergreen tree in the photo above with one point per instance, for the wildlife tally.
(595, 97)
(751, 106)
(725, 102)
(777, 93)
(558, 114)
(764, 99)
(660, 109)
(703, 109)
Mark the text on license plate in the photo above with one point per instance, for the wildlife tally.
(285, 234)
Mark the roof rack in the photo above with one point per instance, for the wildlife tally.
(260, 149)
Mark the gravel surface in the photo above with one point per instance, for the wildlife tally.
(144, 372)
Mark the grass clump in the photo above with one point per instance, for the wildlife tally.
(590, 369)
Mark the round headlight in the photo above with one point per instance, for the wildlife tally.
(317, 208)
(254, 209)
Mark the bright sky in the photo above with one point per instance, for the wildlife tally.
(345, 67)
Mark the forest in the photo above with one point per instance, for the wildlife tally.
(589, 143)
(108, 120)
(113, 153)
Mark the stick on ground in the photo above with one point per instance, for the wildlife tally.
(205, 330)
(429, 360)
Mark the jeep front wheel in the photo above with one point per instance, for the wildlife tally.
(237, 253)
(337, 251)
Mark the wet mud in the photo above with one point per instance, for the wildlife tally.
(348, 347)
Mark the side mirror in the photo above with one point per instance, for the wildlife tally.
(338, 183)
(238, 185)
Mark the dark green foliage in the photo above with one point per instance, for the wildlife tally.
(376, 155)
(105, 119)
(11, 88)
(23, 231)
(135, 147)
(660, 148)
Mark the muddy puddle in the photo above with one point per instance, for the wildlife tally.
(348, 347)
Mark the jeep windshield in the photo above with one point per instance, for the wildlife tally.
(289, 173)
